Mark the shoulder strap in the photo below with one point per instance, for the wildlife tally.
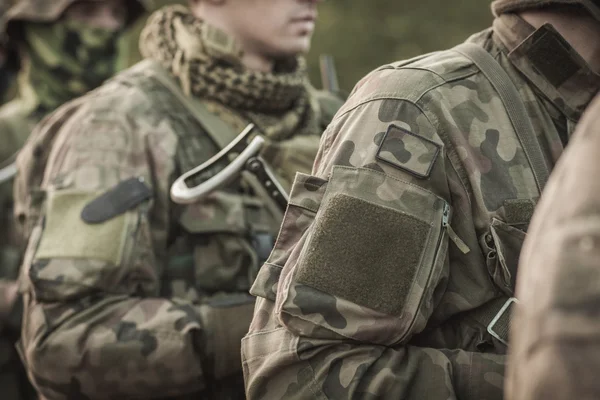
(496, 314)
(219, 131)
(514, 107)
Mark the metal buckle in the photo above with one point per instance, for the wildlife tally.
(490, 327)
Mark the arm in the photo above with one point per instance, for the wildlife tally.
(362, 263)
(94, 324)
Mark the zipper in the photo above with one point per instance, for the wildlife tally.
(462, 246)
(459, 243)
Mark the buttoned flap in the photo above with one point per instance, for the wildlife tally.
(374, 254)
(305, 199)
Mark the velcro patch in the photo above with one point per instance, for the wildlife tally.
(126, 195)
(408, 151)
(367, 251)
(518, 211)
(552, 56)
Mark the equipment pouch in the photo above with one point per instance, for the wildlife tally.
(503, 244)
(376, 252)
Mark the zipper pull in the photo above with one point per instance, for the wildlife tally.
(462, 246)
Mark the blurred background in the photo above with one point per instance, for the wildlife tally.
(364, 34)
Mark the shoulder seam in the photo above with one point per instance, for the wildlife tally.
(401, 98)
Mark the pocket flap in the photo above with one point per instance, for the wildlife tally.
(508, 242)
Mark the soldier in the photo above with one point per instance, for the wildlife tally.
(65, 48)
(554, 350)
(127, 293)
(393, 274)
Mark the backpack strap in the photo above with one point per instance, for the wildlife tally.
(514, 106)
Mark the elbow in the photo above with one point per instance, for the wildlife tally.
(47, 355)
(98, 352)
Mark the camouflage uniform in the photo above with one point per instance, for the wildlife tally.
(554, 351)
(153, 302)
(406, 235)
(46, 80)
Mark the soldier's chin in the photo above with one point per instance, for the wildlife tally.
(299, 45)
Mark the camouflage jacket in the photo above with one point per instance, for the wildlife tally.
(555, 332)
(152, 302)
(17, 119)
(410, 227)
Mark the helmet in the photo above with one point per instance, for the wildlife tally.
(503, 6)
(51, 10)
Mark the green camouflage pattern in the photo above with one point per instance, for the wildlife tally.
(67, 59)
(410, 223)
(51, 11)
(555, 331)
(152, 303)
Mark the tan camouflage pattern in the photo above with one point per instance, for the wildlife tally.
(163, 315)
(366, 295)
(555, 331)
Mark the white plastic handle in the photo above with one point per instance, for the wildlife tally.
(182, 194)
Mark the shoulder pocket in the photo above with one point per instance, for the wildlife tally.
(375, 253)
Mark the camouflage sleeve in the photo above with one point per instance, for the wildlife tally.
(555, 330)
(95, 326)
(360, 266)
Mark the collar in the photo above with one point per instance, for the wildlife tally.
(550, 63)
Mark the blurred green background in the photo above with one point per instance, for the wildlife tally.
(364, 34)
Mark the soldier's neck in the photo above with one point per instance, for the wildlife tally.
(578, 27)
(257, 62)
(251, 56)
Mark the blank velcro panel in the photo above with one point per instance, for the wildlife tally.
(66, 235)
(364, 253)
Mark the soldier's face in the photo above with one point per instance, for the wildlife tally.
(273, 28)
(108, 14)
